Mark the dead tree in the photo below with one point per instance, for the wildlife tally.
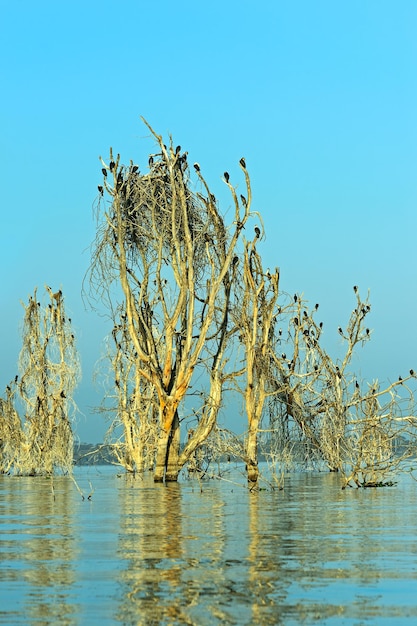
(133, 432)
(49, 372)
(11, 432)
(171, 253)
(255, 316)
(352, 428)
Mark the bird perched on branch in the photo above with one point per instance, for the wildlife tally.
(196, 167)
(226, 176)
(257, 232)
(243, 163)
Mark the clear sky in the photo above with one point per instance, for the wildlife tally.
(319, 97)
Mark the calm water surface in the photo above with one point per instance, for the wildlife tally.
(139, 553)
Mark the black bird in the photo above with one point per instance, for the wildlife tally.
(340, 330)
(243, 163)
(226, 176)
(62, 394)
(355, 288)
(316, 306)
(135, 169)
(257, 232)
(284, 356)
(296, 321)
(400, 378)
(235, 260)
(412, 372)
(16, 378)
(100, 189)
(321, 324)
(150, 161)
(243, 200)
(367, 331)
(177, 149)
(103, 169)
(196, 167)
(112, 165)
(357, 385)
(295, 297)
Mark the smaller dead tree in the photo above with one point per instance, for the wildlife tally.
(255, 317)
(50, 369)
(352, 429)
(11, 433)
(133, 433)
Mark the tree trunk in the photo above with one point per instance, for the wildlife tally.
(252, 456)
(172, 464)
(167, 455)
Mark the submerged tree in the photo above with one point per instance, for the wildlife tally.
(256, 317)
(11, 433)
(354, 430)
(133, 433)
(50, 369)
(174, 259)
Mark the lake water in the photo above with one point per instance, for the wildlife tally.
(139, 553)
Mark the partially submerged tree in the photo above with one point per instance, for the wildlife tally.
(174, 259)
(50, 369)
(354, 430)
(133, 432)
(11, 433)
(256, 317)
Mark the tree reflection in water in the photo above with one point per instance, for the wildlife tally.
(145, 553)
(39, 550)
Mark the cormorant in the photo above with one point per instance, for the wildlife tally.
(226, 176)
(257, 232)
(243, 163)
(340, 330)
(196, 167)
(103, 169)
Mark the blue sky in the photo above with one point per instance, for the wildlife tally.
(320, 97)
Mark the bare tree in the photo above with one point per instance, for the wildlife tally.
(133, 432)
(170, 252)
(50, 369)
(255, 315)
(354, 430)
(11, 432)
